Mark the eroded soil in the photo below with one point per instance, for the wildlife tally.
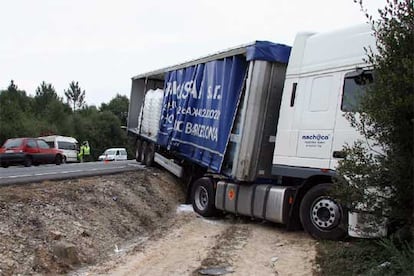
(127, 224)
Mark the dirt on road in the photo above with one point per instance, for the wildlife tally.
(133, 224)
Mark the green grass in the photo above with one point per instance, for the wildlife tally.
(364, 257)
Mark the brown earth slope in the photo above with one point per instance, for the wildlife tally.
(54, 227)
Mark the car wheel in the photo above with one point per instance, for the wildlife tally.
(27, 162)
(321, 215)
(4, 165)
(203, 197)
(58, 159)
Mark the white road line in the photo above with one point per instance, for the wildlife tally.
(15, 176)
(71, 171)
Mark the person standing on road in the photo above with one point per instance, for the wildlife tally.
(85, 152)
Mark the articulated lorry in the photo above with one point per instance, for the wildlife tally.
(258, 130)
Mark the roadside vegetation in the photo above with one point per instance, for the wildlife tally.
(45, 113)
(381, 176)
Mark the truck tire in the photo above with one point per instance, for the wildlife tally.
(149, 155)
(144, 150)
(321, 216)
(203, 197)
(138, 150)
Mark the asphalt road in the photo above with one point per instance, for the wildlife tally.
(20, 174)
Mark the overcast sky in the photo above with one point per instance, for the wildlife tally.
(102, 44)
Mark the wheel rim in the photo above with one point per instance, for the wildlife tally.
(325, 213)
(201, 198)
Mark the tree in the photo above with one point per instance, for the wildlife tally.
(118, 106)
(75, 96)
(15, 110)
(387, 122)
(50, 109)
(45, 94)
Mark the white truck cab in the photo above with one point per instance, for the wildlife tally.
(320, 82)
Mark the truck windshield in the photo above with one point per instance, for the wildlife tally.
(13, 143)
(355, 87)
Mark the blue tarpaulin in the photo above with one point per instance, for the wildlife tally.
(268, 51)
(199, 107)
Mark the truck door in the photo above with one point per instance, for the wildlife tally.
(353, 86)
(317, 120)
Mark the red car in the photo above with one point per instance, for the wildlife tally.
(28, 151)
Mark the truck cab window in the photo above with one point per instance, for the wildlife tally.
(355, 87)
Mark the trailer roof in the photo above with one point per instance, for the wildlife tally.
(257, 50)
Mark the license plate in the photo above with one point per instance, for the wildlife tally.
(9, 151)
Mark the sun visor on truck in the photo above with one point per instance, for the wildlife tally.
(268, 51)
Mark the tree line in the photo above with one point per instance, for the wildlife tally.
(45, 113)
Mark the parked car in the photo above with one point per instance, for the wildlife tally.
(113, 154)
(68, 145)
(28, 151)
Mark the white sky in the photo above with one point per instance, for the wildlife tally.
(102, 44)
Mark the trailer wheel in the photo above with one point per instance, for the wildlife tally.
(321, 215)
(138, 150)
(144, 150)
(149, 154)
(203, 196)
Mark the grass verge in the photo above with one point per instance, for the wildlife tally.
(364, 257)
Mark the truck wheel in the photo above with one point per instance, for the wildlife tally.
(144, 150)
(138, 150)
(321, 216)
(203, 197)
(149, 154)
(27, 162)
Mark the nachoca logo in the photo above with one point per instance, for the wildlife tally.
(317, 137)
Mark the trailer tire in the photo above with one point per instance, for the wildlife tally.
(149, 155)
(144, 150)
(321, 216)
(203, 197)
(138, 150)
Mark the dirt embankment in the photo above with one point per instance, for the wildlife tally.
(55, 227)
(127, 224)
